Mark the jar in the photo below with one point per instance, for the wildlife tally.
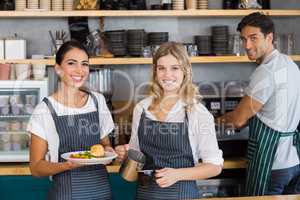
(17, 109)
(4, 110)
(5, 142)
(4, 126)
(15, 126)
(16, 140)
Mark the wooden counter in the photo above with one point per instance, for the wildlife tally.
(279, 197)
(19, 169)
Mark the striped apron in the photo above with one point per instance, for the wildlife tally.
(262, 145)
(84, 183)
(167, 143)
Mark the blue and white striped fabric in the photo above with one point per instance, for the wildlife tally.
(84, 183)
(168, 144)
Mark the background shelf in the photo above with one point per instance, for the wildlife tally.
(146, 13)
(141, 60)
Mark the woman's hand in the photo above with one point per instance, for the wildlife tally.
(68, 165)
(166, 177)
(121, 150)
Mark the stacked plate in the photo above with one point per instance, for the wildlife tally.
(57, 5)
(178, 4)
(117, 42)
(191, 4)
(220, 39)
(20, 5)
(33, 4)
(68, 5)
(203, 43)
(203, 4)
(157, 38)
(45, 4)
(137, 40)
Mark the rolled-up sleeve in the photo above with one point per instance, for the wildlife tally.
(105, 118)
(261, 85)
(134, 140)
(206, 144)
(39, 122)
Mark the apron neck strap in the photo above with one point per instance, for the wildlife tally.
(86, 90)
(50, 107)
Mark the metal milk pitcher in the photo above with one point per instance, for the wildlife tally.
(130, 167)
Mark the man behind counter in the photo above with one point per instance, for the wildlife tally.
(272, 106)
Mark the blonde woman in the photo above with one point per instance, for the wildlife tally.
(174, 130)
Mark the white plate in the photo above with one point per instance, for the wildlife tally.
(109, 156)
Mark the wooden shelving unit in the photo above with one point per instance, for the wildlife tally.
(144, 13)
(131, 61)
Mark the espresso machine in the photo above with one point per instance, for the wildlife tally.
(220, 98)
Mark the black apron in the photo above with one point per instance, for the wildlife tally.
(84, 183)
(262, 145)
(169, 146)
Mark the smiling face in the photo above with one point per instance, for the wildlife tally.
(256, 44)
(74, 68)
(169, 74)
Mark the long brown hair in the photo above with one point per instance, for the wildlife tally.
(188, 92)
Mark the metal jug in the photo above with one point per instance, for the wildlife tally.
(130, 167)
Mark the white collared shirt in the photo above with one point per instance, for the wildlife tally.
(41, 122)
(202, 134)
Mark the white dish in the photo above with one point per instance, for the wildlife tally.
(109, 156)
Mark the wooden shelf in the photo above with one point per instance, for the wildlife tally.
(132, 61)
(196, 13)
(29, 61)
(144, 13)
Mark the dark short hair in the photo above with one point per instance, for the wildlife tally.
(258, 20)
(66, 47)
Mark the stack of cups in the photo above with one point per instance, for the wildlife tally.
(202, 4)
(45, 4)
(20, 5)
(38, 70)
(22, 71)
(178, 4)
(57, 5)
(33, 4)
(4, 71)
(191, 4)
(68, 5)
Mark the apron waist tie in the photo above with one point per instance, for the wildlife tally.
(296, 136)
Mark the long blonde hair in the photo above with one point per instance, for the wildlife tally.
(188, 92)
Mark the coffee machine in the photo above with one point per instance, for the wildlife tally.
(220, 98)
